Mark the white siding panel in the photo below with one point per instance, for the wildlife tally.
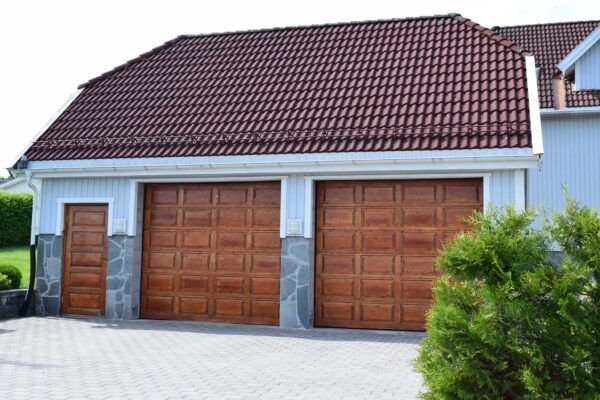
(571, 157)
(53, 189)
(587, 69)
(502, 188)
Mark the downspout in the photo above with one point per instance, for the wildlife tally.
(32, 243)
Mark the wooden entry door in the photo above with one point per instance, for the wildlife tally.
(85, 257)
(376, 246)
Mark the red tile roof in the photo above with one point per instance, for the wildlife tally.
(426, 83)
(550, 44)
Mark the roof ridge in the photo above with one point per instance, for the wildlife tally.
(321, 25)
(547, 24)
(249, 31)
(494, 36)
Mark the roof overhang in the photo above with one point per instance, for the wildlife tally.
(570, 111)
(567, 64)
(11, 183)
(311, 163)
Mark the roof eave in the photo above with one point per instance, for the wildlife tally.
(567, 64)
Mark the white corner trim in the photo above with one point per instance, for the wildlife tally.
(519, 182)
(570, 111)
(60, 210)
(36, 186)
(535, 119)
(283, 208)
(569, 61)
(310, 200)
(487, 191)
(58, 113)
(309, 206)
(133, 203)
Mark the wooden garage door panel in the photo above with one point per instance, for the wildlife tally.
(84, 266)
(211, 252)
(376, 245)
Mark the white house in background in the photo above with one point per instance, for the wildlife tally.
(568, 60)
(295, 176)
(18, 185)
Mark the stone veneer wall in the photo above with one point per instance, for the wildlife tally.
(297, 283)
(120, 277)
(48, 271)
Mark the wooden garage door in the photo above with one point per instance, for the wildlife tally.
(84, 266)
(211, 252)
(376, 247)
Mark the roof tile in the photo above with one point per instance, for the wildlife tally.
(426, 83)
(550, 44)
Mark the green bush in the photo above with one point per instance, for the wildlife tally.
(509, 324)
(15, 218)
(4, 282)
(13, 274)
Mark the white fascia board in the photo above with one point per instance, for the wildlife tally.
(289, 164)
(66, 104)
(570, 111)
(569, 61)
(535, 119)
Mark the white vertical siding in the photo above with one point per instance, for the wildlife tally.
(53, 189)
(587, 69)
(295, 198)
(571, 157)
(501, 191)
(502, 188)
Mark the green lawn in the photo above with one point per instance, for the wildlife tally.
(19, 257)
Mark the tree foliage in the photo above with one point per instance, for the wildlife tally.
(508, 324)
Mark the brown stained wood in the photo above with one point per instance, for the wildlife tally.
(85, 257)
(211, 252)
(376, 243)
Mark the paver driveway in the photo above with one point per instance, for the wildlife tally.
(61, 358)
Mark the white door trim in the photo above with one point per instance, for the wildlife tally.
(283, 182)
(309, 188)
(62, 201)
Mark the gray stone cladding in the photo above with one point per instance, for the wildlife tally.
(297, 266)
(119, 278)
(48, 271)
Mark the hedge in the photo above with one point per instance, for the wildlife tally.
(15, 218)
(13, 274)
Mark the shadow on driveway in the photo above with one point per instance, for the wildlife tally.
(320, 334)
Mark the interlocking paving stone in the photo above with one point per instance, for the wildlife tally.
(59, 358)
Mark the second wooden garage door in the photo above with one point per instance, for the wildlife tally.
(211, 252)
(376, 247)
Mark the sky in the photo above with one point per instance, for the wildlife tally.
(50, 47)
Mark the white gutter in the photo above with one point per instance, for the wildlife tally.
(570, 111)
(537, 142)
(279, 168)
